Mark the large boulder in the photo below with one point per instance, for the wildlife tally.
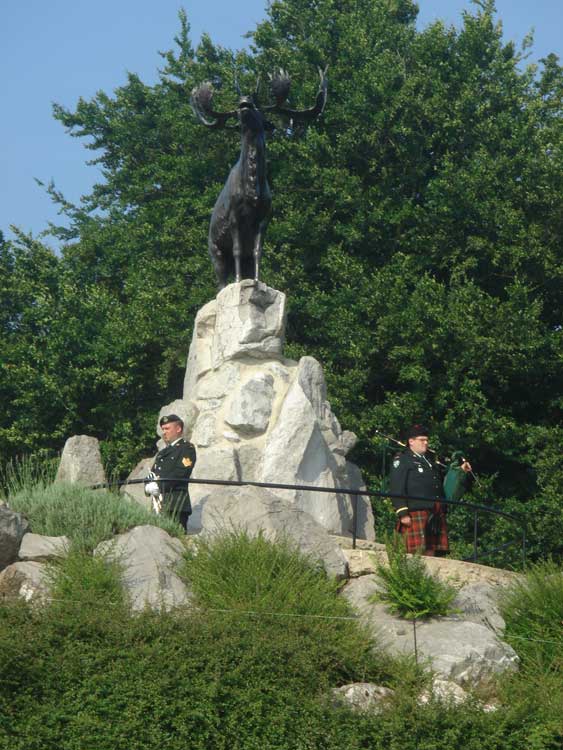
(40, 548)
(13, 526)
(300, 449)
(362, 696)
(465, 652)
(257, 510)
(81, 461)
(251, 408)
(478, 602)
(148, 557)
(250, 320)
(27, 580)
(253, 415)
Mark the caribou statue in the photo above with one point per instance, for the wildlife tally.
(244, 206)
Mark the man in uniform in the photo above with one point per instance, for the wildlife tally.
(175, 461)
(422, 522)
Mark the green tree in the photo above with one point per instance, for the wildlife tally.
(417, 234)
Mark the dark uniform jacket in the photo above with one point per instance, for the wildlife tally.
(414, 476)
(175, 462)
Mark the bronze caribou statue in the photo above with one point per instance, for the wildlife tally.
(243, 209)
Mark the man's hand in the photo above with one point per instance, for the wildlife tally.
(152, 488)
(406, 520)
(466, 466)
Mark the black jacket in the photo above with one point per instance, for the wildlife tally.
(414, 476)
(175, 462)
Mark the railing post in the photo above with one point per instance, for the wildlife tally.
(474, 536)
(354, 520)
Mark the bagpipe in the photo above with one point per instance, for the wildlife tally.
(455, 478)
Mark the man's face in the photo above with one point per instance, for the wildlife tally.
(419, 444)
(171, 431)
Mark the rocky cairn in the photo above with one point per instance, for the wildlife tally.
(254, 415)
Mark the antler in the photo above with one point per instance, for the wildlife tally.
(201, 101)
(280, 83)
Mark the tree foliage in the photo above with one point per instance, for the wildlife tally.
(416, 233)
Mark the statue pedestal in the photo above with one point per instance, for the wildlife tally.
(254, 415)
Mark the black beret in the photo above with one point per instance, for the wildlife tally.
(417, 430)
(171, 418)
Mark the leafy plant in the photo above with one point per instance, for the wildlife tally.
(409, 590)
(533, 610)
(30, 470)
(85, 516)
(275, 583)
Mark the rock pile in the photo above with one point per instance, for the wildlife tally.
(254, 415)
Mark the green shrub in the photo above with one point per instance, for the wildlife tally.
(533, 610)
(409, 590)
(85, 516)
(84, 673)
(27, 471)
(274, 584)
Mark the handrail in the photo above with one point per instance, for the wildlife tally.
(355, 493)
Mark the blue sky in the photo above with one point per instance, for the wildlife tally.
(59, 50)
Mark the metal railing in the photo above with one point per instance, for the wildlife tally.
(355, 494)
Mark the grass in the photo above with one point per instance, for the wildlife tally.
(85, 516)
(533, 610)
(408, 589)
(279, 588)
(83, 672)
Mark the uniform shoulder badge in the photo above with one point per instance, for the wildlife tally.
(187, 462)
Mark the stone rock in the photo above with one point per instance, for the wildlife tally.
(250, 461)
(279, 371)
(27, 580)
(296, 452)
(205, 430)
(12, 528)
(41, 548)
(271, 411)
(137, 491)
(251, 405)
(363, 696)
(446, 691)
(186, 410)
(81, 461)
(346, 442)
(148, 556)
(258, 510)
(360, 562)
(218, 384)
(213, 463)
(310, 377)
(199, 358)
(464, 652)
(478, 603)
(250, 320)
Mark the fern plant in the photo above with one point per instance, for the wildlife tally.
(408, 589)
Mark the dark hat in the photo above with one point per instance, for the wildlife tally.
(417, 430)
(171, 418)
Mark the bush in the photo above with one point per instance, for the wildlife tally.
(83, 672)
(533, 610)
(35, 470)
(409, 590)
(282, 591)
(85, 516)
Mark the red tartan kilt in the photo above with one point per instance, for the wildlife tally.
(418, 538)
